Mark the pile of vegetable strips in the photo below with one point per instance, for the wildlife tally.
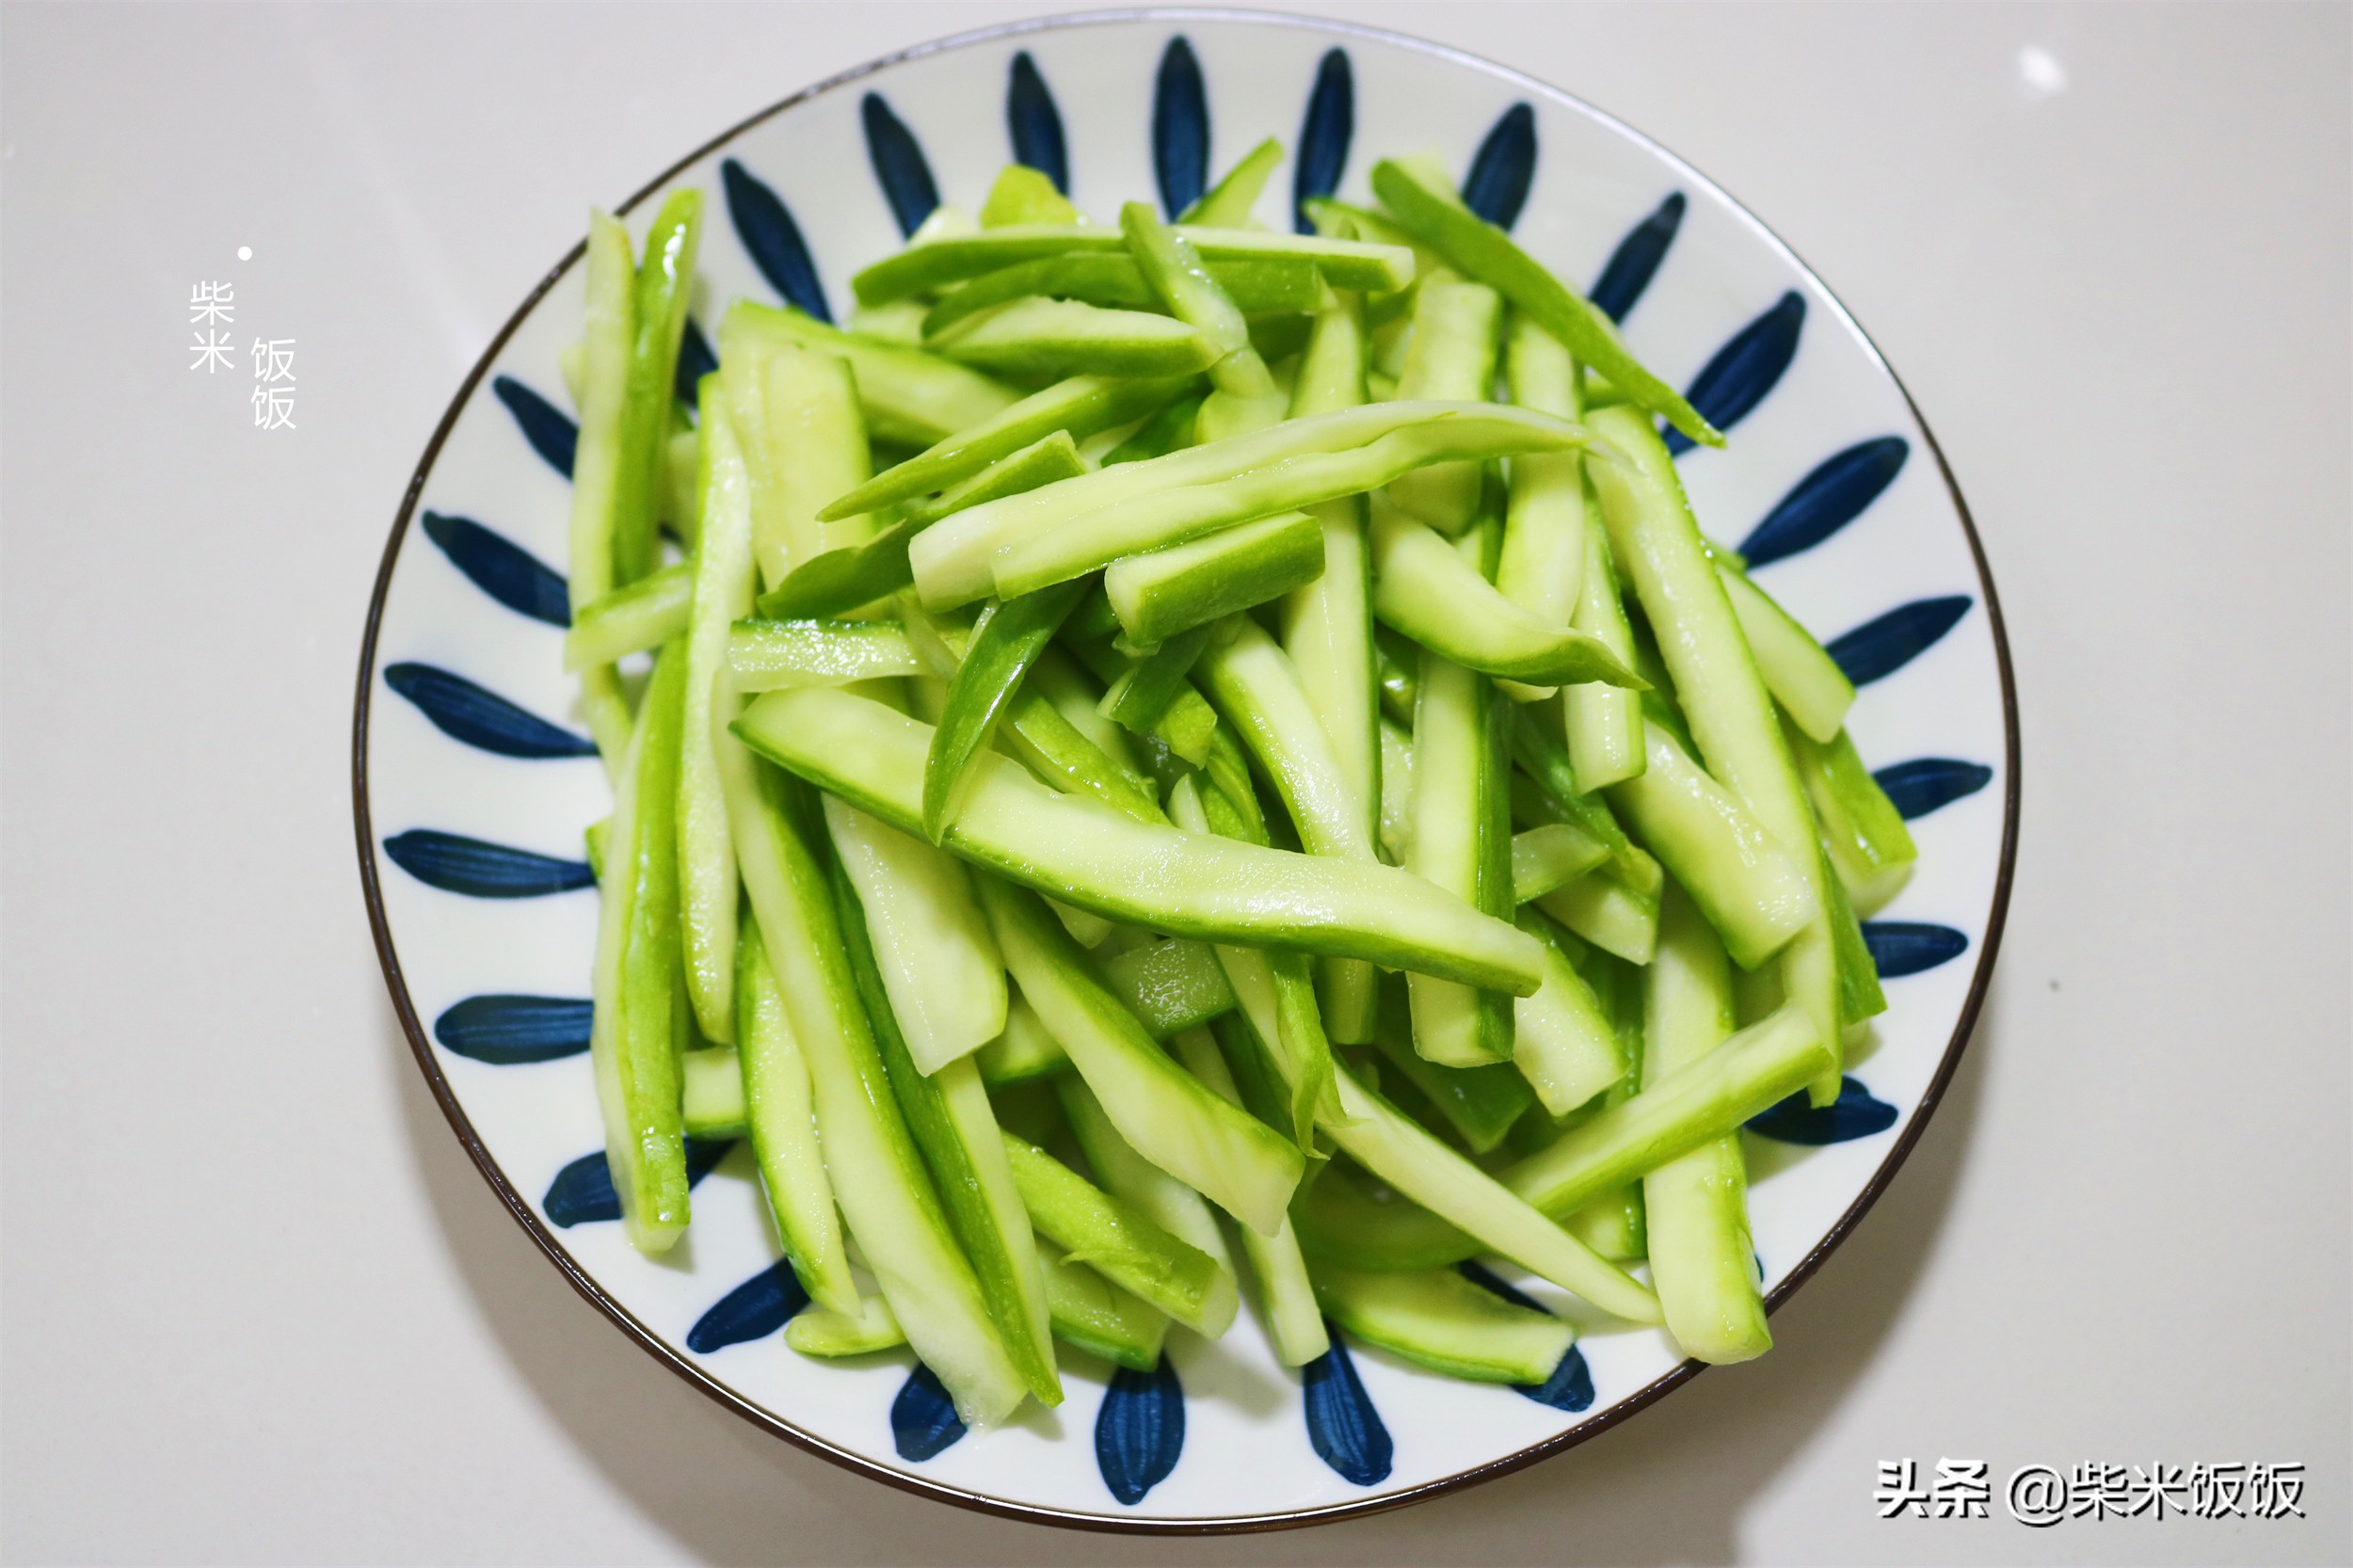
(1178, 756)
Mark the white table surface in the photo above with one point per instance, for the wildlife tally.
(260, 1309)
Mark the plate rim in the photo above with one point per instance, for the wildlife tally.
(519, 1206)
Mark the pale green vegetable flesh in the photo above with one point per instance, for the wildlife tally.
(711, 1104)
(1170, 986)
(1094, 1315)
(647, 614)
(1168, 1202)
(1115, 1239)
(1442, 1321)
(1164, 592)
(780, 1117)
(1450, 358)
(612, 328)
(1457, 778)
(763, 655)
(937, 959)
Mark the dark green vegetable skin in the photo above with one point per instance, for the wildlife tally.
(1007, 641)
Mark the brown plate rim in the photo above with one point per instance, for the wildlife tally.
(519, 1206)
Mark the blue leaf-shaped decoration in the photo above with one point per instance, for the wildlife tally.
(1571, 1385)
(547, 428)
(924, 1419)
(1878, 648)
(905, 178)
(482, 870)
(1744, 369)
(508, 1032)
(582, 1190)
(1636, 261)
(1324, 137)
(695, 361)
(1342, 1426)
(1825, 499)
(506, 571)
(1920, 786)
(1180, 128)
(1140, 1430)
(1035, 124)
(465, 712)
(764, 225)
(753, 1310)
(1503, 169)
(1853, 1114)
(1899, 948)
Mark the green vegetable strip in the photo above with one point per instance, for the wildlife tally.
(1023, 194)
(1279, 283)
(1753, 891)
(709, 888)
(967, 1159)
(844, 579)
(1079, 406)
(1174, 268)
(1454, 1025)
(1040, 338)
(712, 1098)
(1142, 694)
(1114, 1237)
(1397, 792)
(877, 1175)
(1549, 855)
(1227, 205)
(1604, 724)
(1480, 1103)
(633, 1038)
(1169, 1202)
(1696, 1205)
(1164, 592)
(1479, 249)
(1543, 568)
(647, 614)
(1870, 846)
(911, 398)
(1451, 358)
(1338, 1222)
(1387, 1142)
(1546, 762)
(1732, 716)
(1608, 911)
(1706, 1098)
(817, 437)
(1287, 1299)
(1445, 1323)
(1179, 883)
(1318, 457)
(1562, 1038)
(1229, 1157)
(782, 1121)
(763, 655)
(1006, 642)
(1275, 989)
(1803, 679)
(936, 957)
(1257, 692)
(1059, 754)
(1096, 1315)
(1025, 1050)
(664, 277)
(611, 320)
(1345, 265)
(822, 1332)
(1170, 986)
(1423, 588)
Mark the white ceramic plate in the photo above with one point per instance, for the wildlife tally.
(472, 784)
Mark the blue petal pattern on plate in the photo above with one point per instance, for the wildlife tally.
(1744, 369)
(1180, 128)
(1853, 1114)
(509, 1030)
(1324, 137)
(1140, 1430)
(547, 428)
(1636, 261)
(1920, 786)
(1571, 1385)
(753, 1310)
(506, 571)
(1899, 948)
(1342, 1426)
(764, 225)
(478, 869)
(695, 361)
(468, 712)
(582, 1190)
(1503, 169)
(1880, 648)
(1035, 124)
(899, 165)
(1825, 499)
(923, 1420)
